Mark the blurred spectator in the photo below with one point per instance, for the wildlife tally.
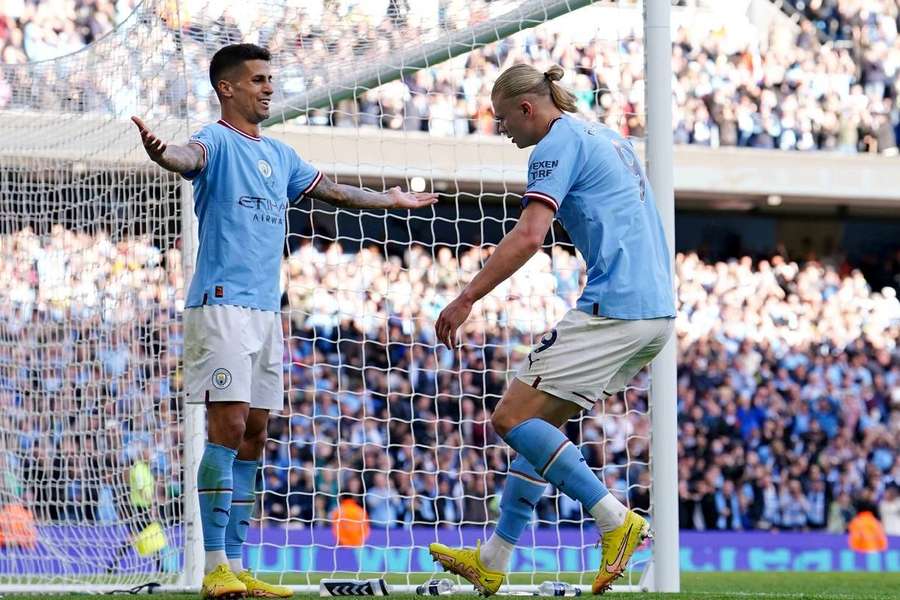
(728, 507)
(349, 522)
(144, 532)
(866, 533)
(840, 514)
(17, 527)
(794, 506)
(381, 501)
(889, 509)
(817, 504)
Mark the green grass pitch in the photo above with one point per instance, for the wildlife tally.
(700, 586)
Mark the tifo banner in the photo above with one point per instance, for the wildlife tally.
(405, 550)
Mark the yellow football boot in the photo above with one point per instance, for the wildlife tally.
(261, 589)
(617, 546)
(466, 563)
(221, 583)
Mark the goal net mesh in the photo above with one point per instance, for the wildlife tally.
(381, 93)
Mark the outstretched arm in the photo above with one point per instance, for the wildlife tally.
(348, 196)
(512, 252)
(178, 159)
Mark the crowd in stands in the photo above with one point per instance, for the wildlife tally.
(788, 390)
(830, 83)
(788, 387)
(89, 372)
(842, 20)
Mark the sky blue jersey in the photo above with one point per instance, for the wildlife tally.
(592, 178)
(241, 197)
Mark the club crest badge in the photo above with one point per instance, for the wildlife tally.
(221, 379)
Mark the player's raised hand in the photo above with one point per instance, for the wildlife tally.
(453, 315)
(411, 200)
(152, 144)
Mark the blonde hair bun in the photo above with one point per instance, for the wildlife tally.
(554, 73)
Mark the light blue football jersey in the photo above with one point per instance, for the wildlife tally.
(241, 197)
(591, 176)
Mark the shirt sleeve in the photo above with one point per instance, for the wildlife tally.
(208, 142)
(552, 168)
(304, 177)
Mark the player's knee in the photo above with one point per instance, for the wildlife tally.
(234, 432)
(227, 428)
(503, 421)
(257, 438)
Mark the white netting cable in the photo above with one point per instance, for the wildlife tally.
(89, 329)
(89, 342)
(331, 281)
(374, 410)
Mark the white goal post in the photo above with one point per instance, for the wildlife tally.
(97, 245)
(665, 574)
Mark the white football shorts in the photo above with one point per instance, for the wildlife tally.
(233, 354)
(587, 357)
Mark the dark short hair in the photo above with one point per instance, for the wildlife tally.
(228, 57)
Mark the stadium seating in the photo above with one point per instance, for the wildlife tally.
(789, 403)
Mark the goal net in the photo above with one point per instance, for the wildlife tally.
(98, 452)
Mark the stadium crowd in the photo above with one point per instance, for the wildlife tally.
(788, 387)
(793, 90)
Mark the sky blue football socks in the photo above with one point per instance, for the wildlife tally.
(556, 459)
(524, 488)
(214, 486)
(242, 501)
